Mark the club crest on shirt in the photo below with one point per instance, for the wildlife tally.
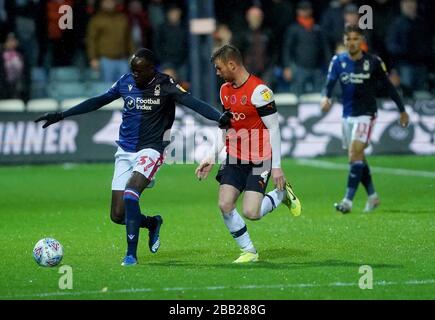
(366, 65)
(157, 90)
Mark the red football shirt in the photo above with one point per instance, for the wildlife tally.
(248, 139)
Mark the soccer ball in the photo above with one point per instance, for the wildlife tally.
(48, 252)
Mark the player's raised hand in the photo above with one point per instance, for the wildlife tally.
(404, 119)
(50, 118)
(325, 104)
(225, 120)
(278, 178)
(203, 169)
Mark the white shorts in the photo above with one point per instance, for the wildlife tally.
(147, 162)
(357, 128)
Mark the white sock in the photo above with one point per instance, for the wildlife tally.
(238, 230)
(271, 200)
(373, 196)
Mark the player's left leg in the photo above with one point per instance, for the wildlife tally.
(373, 199)
(360, 134)
(124, 163)
(257, 203)
(148, 162)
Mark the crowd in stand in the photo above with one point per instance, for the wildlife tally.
(287, 43)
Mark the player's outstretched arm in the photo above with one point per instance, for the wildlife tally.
(84, 107)
(206, 110)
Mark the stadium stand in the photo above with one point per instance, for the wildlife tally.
(12, 105)
(67, 90)
(310, 98)
(41, 105)
(286, 99)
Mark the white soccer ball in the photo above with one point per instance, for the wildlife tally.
(48, 252)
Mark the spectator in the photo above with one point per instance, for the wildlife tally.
(171, 43)
(26, 27)
(304, 52)
(5, 19)
(383, 14)
(333, 24)
(409, 44)
(83, 11)
(221, 36)
(12, 67)
(156, 14)
(109, 42)
(57, 45)
(254, 44)
(278, 16)
(139, 24)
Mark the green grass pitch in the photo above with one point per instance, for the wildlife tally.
(314, 256)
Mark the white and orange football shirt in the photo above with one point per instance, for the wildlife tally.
(248, 138)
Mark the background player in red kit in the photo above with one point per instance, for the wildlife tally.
(253, 146)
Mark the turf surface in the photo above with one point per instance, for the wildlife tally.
(314, 256)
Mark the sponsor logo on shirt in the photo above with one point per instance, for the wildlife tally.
(238, 116)
(357, 78)
(141, 103)
(266, 94)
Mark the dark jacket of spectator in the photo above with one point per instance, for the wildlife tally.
(304, 47)
(171, 43)
(409, 41)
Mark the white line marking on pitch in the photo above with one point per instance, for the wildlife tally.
(338, 166)
(245, 287)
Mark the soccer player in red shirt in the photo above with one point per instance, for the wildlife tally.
(253, 146)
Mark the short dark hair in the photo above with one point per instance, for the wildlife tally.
(145, 54)
(226, 53)
(353, 28)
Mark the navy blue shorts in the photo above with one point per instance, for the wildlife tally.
(245, 176)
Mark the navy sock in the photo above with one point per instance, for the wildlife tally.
(147, 222)
(366, 179)
(133, 220)
(354, 178)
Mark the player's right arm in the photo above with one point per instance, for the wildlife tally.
(86, 106)
(207, 163)
(331, 80)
